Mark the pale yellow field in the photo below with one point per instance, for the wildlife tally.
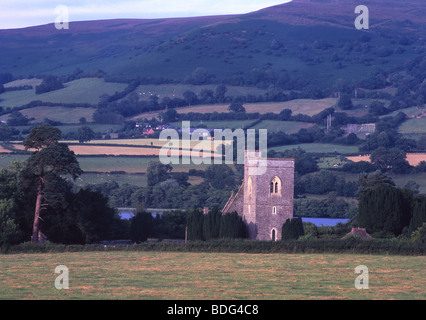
(3, 150)
(84, 150)
(413, 159)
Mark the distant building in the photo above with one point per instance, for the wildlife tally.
(360, 232)
(360, 128)
(264, 201)
(148, 131)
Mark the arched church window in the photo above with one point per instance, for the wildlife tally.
(275, 186)
(250, 186)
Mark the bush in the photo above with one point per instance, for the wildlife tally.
(419, 235)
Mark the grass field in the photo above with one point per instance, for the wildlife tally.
(62, 114)
(319, 148)
(86, 90)
(210, 276)
(413, 126)
(285, 126)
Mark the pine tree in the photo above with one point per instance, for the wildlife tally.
(231, 226)
(419, 213)
(195, 224)
(47, 163)
(292, 229)
(211, 224)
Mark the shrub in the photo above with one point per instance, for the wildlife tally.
(420, 234)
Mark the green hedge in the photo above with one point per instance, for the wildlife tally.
(351, 245)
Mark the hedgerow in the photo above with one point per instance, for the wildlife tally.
(320, 246)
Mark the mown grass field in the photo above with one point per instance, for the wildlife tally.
(210, 276)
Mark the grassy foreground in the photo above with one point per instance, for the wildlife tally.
(207, 276)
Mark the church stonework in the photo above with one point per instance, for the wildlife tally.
(265, 198)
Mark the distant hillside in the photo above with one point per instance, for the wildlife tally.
(309, 42)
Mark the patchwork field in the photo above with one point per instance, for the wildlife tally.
(210, 276)
(304, 106)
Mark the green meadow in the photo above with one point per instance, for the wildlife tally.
(85, 90)
(210, 276)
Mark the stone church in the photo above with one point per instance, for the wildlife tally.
(265, 198)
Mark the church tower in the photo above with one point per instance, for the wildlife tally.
(265, 199)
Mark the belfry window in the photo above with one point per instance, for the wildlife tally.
(275, 186)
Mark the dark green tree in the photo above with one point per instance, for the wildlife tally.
(220, 176)
(367, 182)
(292, 229)
(9, 229)
(85, 134)
(237, 107)
(190, 97)
(141, 227)
(194, 224)
(87, 218)
(211, 224)
(345, 102)
(384, 209)
(50, 83)
(392, 159)
(157, 172)
(419, 213)
(232, 226)
(50, 160)
(220, 93)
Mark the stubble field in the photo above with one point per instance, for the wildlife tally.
(205, 276)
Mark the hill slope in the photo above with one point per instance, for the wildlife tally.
(313, 41)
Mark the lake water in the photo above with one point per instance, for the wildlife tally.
(324, 221)
(316, 221)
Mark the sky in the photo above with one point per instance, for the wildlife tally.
(25, 13)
